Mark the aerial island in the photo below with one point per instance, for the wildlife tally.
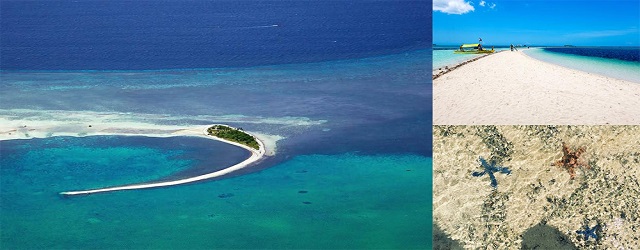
(220, 132)
(233, 134)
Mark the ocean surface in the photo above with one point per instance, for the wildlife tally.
(616, 62)
(108, 35)
(346, 84)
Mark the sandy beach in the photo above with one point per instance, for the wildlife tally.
(256, 155)
(511, 88)
(536, 194)
(82, 124)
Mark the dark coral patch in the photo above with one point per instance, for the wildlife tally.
(227, 195)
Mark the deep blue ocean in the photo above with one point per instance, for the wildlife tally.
(616, 62)
(346, 84)
(132, 35)
(631, 54)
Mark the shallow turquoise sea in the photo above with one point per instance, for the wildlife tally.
(446, 57)
(309, 201)
(353, 170)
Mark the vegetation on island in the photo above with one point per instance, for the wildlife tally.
(233, 134)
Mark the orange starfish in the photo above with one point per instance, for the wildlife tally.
(571, 159)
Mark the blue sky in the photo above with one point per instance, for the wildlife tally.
(537, 22)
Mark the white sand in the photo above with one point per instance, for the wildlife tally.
(27, 124)
(255, 156)
(510, 88)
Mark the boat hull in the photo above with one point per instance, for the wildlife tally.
(474, 52)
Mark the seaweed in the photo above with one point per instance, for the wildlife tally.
(490, 169)
(501, 148)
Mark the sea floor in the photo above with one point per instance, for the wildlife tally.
(535, 202)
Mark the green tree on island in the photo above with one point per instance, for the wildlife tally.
(233, 134)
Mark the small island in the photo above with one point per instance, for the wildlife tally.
(227, 134)
(233, 134)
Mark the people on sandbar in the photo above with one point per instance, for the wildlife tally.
(511, 46)
(461, 49)
(480, 47)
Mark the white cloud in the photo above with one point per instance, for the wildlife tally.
(482, 3)
(452, 6)
(492, 5)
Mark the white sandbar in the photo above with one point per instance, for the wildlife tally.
(255, 156)
(27, 124)
(511, 88)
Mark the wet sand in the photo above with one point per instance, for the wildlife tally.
(511, 88)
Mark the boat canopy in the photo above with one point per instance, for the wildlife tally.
(473, 45)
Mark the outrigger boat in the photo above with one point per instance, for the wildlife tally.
(474, 48)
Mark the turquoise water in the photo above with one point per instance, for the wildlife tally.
(446, 57)
(346, 85)
(309, 201)
(619, 69)
(351, 131)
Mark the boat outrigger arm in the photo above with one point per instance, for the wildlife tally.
(473, 48)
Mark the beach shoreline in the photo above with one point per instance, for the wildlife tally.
(451, 67)
(256, 155)
(15, 130)
(516, 89)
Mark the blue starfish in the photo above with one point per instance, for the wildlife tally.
(589, 232)
(490, 169)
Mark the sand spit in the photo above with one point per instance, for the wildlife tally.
(602, 197)
(28, 124)
(509, 88)
(256, 155)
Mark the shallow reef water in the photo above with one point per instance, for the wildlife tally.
(359, 197)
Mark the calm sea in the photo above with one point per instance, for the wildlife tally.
(616, 62)
(129, 35)
(346, 83)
